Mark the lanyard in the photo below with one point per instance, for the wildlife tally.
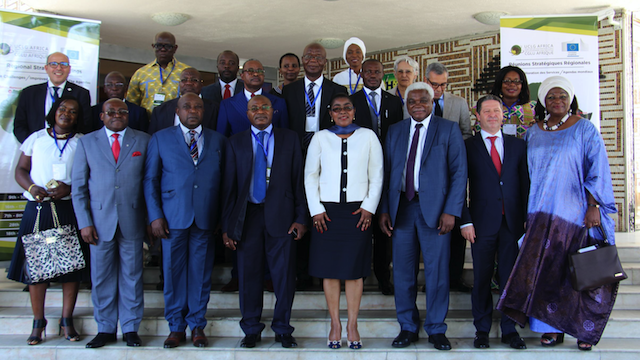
(377, 112)
(55, 140)
(511, 108)
(353, 90)
(265, 146)
(315, 98)
(400, 96)
(161, 78)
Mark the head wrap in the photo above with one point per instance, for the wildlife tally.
(351, 41)
(555, 82)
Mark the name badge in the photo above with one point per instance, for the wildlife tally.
(158, 99)
(510, 129)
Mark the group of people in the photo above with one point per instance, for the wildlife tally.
(315, 179)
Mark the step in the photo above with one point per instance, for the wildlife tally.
(227, 348)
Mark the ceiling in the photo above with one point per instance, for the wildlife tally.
(267, 29)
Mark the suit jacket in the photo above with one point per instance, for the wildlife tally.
(456, 109)
(488, 191)
(443, 170)
(394, 91)
(164, 116)
(285, 200)
(107, 194)
(138, 118)
(178, 190)
(233, 119)
(213, 92)
(390, 111)
(294, 95)
(30, 115)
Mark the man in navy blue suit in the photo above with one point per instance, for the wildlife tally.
(183, 177)
(265, 212)
(233, 118)
(425, 180)
(495, 218)
(115, 86)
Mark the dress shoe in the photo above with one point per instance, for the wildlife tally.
(250, 340)
(268, 285)
(386, 287)
(459, 286)
(287, 340)
(440, 341)
(514, 340)
(481, 341)
(174, 339)
(231, 286)
(404, 339)
(549, 341)
(101, 340)
(199, 338)
(132, 339)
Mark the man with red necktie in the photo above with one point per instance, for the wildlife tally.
(228, 84)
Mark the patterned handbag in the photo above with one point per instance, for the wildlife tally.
(54, 252)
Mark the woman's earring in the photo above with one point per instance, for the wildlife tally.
(332, 120)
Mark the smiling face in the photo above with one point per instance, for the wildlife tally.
(113, 115)
(354, 56)
(289, 68)
(405, 75)
(490, 116)
(58, 73)
(342, 111)
(260, 112)
(190, 110)
(419, 104)
(510, 87)
(66, 116)
(557, 102)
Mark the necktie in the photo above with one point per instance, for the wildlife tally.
(253, 94)
(55, 93)
(193, 146)
(375, 120)
(115, 147)
(411, 162)
(260, 170)
(438, 111)
(495, 157)
(311, 110)
(227, 92)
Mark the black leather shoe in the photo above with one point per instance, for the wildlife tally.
(404, 339)
(101, 340)
(174, 339)
(250, 340)
(287, 340)
(386, 287)
(440, 342)
(199, 338)
(132, 339)
(514, 340)
(482, 340)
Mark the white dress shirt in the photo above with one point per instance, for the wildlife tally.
(187, 137)
(499, 143)
(421, 140)
(248, 93)
(378, 91)
(111, 139)
(313, 122)
(232, 86)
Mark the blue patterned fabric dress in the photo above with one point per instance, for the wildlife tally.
(563, 166)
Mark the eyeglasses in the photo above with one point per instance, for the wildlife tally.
(308, 58)
(193, 80)
(436, 85)
(254, 71)
(263, 107)
(62, 64)
(121, 112)
(509, 82)
(421, 101)
(159, 46)
(70, 111)
(114, 85)
(339, 109)
(553, 97)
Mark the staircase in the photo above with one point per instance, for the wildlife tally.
(377, 325)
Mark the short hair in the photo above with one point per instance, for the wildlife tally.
(228, 52)
(190, 69)
(404, 58)
(340, 96)
(524, 96)
(258, 97)
(51, 116)
(289, 54)
(245, 63)
(419, 85)
(437, 68)
(487, 98)
(375, 61)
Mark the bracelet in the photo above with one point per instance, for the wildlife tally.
(594, 205)
(29, 189)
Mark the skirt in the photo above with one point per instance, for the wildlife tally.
(343, 251)
(66, 217)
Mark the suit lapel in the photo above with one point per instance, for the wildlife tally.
(128, 140)
(484, 154)
(431, 134)
(240, 104)
(182, 144)
(40, 99)
(104, 146)
(448, 104)
(327, 91)
(506, 155)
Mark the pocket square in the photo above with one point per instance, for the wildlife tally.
(137, 153)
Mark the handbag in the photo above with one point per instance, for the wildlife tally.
(595, 265)
(53, 252)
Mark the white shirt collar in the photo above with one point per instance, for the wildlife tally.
(186, 130)
(247, 93)
(317, 81)
(232, 84)
(61, 86)
(121, 133)
(255, 130)
(485, 134)
(425, 122)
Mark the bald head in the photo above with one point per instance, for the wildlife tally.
(57, 68)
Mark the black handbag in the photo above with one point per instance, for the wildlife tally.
(595, 265)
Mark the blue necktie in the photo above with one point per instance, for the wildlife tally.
(260, 170)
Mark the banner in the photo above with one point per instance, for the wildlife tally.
(565, 45)
(26, 39)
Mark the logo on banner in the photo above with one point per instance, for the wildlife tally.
(516, 49)
(5, 49)
(573, 48)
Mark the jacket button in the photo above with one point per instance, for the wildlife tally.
(195, 186)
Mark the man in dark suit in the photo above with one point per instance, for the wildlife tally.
(265, 211)
(35, 101)
(376, 109)
(425, 180)
(233, 117)
(228, 83)
(109, 204)
(165, 115)
(495, 218)
(115, 86)
(183, 176)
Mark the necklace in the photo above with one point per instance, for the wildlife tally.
(556, 126)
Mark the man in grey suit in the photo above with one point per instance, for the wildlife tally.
(108, 199)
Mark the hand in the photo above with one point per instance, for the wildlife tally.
(469, 233)
(231, 244)
(89, 234)
(446, 223)
(302, 229)
(38, 193)
(160, 228)
(320, 222)
(365, 219)
(59, 191)
(592, 217)
(385, 224)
